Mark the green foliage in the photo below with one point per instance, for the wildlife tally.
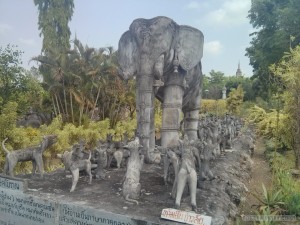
(265, 214)
(67, 133)
(217, 107)
(272, 125)
(54, 16)
(8, 117)
(16, 84)
(233, 82)
(288, 73)
(293, 204)
(83, 83)
(271, 200)
(235, 100)
(283, 180)
(275, 21)
(213, 84)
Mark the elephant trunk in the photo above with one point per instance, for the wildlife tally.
(145, 111)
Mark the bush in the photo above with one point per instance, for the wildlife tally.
(217, 107)
(281, 165)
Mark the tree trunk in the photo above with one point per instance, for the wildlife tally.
(96, 101)
(81, 108)
(54, 107)
(57, 103)
(66, 105)
(72, 110)
(62, 107)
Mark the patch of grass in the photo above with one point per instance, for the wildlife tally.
(281, 165)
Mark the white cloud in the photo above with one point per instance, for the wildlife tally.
(29, 42)
(231, 12)
(193, 5)
(5, 28)
(213, 47)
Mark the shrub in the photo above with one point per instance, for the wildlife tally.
(217, 107)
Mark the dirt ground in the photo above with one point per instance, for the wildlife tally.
(260, 174)
(107, 194)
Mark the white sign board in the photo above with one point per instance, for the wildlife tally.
(185, 217)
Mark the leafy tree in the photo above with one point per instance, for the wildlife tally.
(10, 72)
(17, 84)
(276, 21)
(213, 84)
(233, 82)
(235, 99)
(85, 83)
(288, 70)
(54, 16)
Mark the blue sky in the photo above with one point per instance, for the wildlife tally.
(100, 23)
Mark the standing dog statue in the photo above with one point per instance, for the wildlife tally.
(131, 184)
(187, 174)
(72, 161)
(34, 154)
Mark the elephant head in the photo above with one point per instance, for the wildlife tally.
(162, 43)
(161, 54)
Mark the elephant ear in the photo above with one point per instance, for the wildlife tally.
(189, 47)
(127, 55)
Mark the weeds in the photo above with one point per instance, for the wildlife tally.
(270, 201)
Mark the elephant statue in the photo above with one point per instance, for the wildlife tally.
(165, 58)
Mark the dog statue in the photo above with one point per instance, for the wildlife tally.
(34, 154)
(74, 163)
(131, 184)
(187, 174)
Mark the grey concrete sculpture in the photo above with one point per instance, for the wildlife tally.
(165, 58)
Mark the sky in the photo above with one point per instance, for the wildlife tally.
(100, 23)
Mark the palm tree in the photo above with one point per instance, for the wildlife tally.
(89, 77)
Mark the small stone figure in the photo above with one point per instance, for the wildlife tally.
(187, 174)
(100, 158)
(75, 163)
(131, 184)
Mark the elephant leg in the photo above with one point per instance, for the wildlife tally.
(191, 123)
(172, 106)
(193, 97)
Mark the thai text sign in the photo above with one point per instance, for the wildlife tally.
(21, 208)
(185, 217)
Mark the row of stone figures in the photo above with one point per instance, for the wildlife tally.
(188, 161)
(219, 131)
